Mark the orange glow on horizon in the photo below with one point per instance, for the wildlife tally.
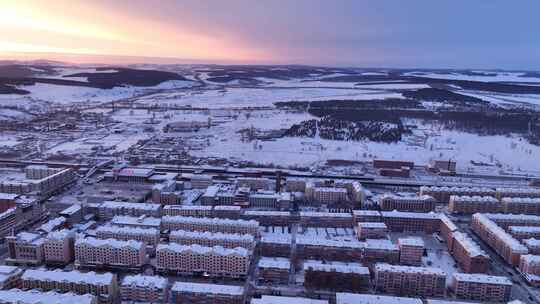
(76, 27)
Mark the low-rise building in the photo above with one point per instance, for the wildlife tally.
(103, 286)
(10, 277)
(227, 212)
(142, 221)
(326, 219)
(481, 287)
(149, 236)
(421, 203)
(470, 257)
(289, 300)
(411, 251)
(92, 252)
(268, 218)
(336, 276)
(276, 244)
(529, 266)
(533, 245)
(411, 221)
(187, 210)
(192, 259)
(524, 232)
(503, 243)
(473, 204)
(17, 296)
(366, 216)
(410, 280)
(58, 247)
(211, 239)
(274, 270)
(521, 205)
(371, 230)
(442, 193)
(355, 298)
(25, 248)
(210, 224)
(143, 288)
(530, 192)
(109, 209)
(266, 199)
(200, 293)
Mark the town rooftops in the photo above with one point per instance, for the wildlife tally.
(335, 267)
(129, 205)
(90, 241)
(409, 269)
(218, 250)
(286, 300)
(280, 263)
(136, 221)
(212, 235)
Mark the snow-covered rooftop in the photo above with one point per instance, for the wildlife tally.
(145, 281)
(129, 205)
(69, 276)
(409, 269)
(218, 250)
(90, 241)
(37, 297)
(208, 221)
(191, 287)
(212, 235)
(280, 263)
(136, 221)
(127, 230)
(324, 214)
(336, 267)
(286, 300)
(470, 246)
(481, 278)
(354, 298)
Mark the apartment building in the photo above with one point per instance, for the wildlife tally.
(149, 236)
(468, 254)
(187, 210)
(214, 261)
(289, 300)
(211, 239)
(533, 245)
(336, 276)
(103, 286)
(371, 230)
(17, 296)
(447, 229)
(276, 245)
(42, 186)
(421, 203)
(274, 270)
(326, 219)
(309, 247)
(209, 224)
(355, 298)
(227, 212)
(442, 194)
(366, 216)
(25, 248)
(329, 195)
(529, 266)
(109, 209)
(58, 247)
(268, 218)
(521, 205)
(294, 184)
(8, 221)
(264, 199)
(381, 250)
(7, 201)
(143, 288)
(201, 181)
(529, 192)
(411, 250)
(506, 220)
(524, 232)
(142, 221)
(473, 204)
(10, 277)
(481, 287)
(411, 221)
(503, 243)
(201, 293)
(92, 252)
(410, 280)
(256, 183)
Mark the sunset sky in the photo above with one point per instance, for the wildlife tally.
(391, 33)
